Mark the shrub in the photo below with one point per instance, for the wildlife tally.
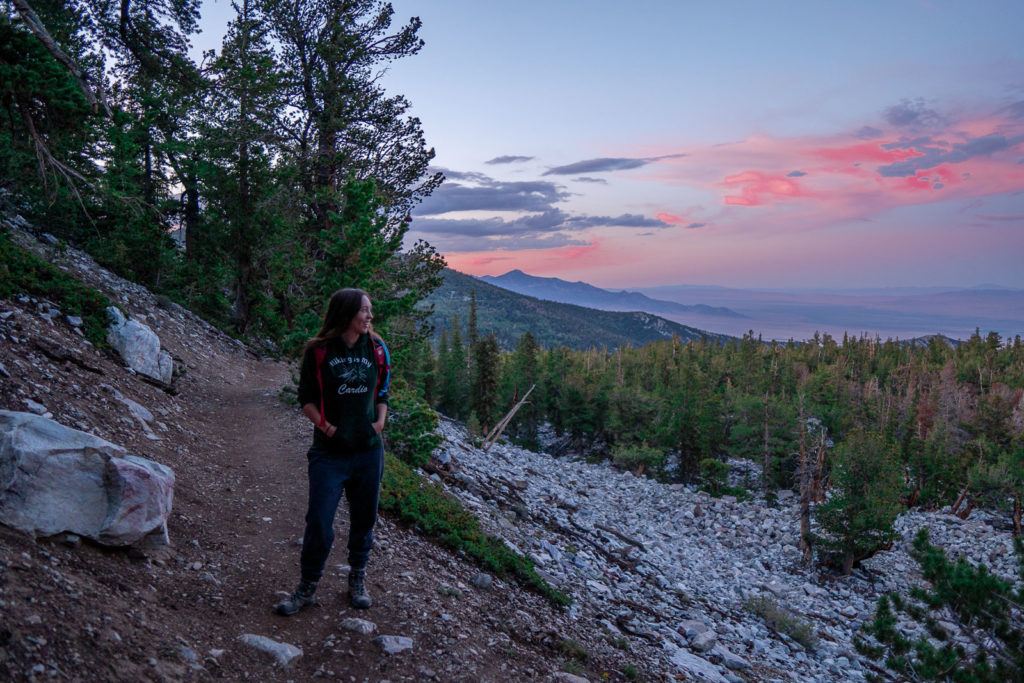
(573, 650)
(22, 272)
(984, 609)
(437, 515)
(782, 621)
(714, 475)
(637, 457)
(413, 428)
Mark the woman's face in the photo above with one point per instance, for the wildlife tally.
(361, 323)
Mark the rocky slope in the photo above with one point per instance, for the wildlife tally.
(683, 575)
(73, 610)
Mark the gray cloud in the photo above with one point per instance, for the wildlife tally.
(492, 195)
(932, 156)
(547, 221)
(552, 220)
(626, 220)
(1016, 110)
(912, 114)
(796, 174)
(606, 164)
(508, 159)
(472, 176)
(869, 133)
(509, 242)
(694, 226)
(588, 179)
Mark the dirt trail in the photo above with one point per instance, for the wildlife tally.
(245, 518)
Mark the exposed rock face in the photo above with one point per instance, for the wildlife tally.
(55, 479)
(139, 347)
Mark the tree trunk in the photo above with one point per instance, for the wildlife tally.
(848, 560)
(1016, 515)
(806, 486)
(765, 476)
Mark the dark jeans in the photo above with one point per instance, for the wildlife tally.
(358, 475)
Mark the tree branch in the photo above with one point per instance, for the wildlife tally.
(31, 19)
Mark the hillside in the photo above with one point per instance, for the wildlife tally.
(71, 609)
(584, 294)
(509, 315)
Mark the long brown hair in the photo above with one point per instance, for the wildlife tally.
(342, 307)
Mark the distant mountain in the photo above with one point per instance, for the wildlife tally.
(509, 315)
(583, 294)
(920, 342)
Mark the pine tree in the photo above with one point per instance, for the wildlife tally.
(486, 368)
(857, 520)
(523, 374)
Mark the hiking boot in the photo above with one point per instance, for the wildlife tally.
(357, 595)
(303, 596)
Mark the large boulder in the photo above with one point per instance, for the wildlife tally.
(55, 479)
(139, 347)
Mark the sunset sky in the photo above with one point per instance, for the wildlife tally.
(753, 144)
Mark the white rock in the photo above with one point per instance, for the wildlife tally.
(392, 645)
(730, 659)
(703, 642)
(358, 625)
(35, 407)
(55, 479)
(139, 346)
(282, 653)
(566, 677)
(696, 667)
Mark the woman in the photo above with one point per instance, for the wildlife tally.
(343, 390)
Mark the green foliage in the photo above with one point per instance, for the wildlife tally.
(437, 515)
(412, 427)
(938, 468)
(857, 520)
(637, 458)
(473, 427)
(781, 620)
(486, 376)
(714, 476)
(984, 609)
(22, 272)
(518, 375)
(573, 650)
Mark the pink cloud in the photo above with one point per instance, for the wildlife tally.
(756, 188)
(670, 218)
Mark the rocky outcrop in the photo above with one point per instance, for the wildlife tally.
(672, 566)
(139, 346)
(56, 479)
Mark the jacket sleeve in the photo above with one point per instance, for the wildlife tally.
(309, 386)
(384, 383)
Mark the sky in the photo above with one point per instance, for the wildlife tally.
(744, 144)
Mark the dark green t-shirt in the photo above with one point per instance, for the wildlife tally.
(349, 394)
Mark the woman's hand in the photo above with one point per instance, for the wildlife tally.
(378, 426)
(329, 430)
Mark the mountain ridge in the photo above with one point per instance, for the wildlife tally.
(509, 315)
(585, 294)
